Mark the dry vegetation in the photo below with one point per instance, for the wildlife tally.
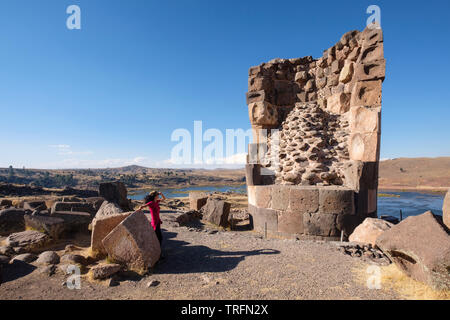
(415, 173)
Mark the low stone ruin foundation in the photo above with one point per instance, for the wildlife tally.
(312, 169)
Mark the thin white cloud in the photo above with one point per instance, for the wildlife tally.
(66, 150)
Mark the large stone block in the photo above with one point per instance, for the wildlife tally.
(263, 113)
(253, 174)
(11, 220)
(446, 209)
(133, 242)
(371, 37)
(259, 83)
(197, 200)
(373, 70)
(74, 221)
(420, 247)
(304, 199)
(251, 194)
(256, 96)
(262, 217)
(115, 192)
(101, 227)
(290, 222)
(365, 120)
(216, 212)
(263, 196)
(73, 206)
(366, 93)
(346, 72)
(280, 197)
(371, 53)
(364, 146)
(338, 103)
(360, 175)
(337, 200)
(318, 224)
(52, 226)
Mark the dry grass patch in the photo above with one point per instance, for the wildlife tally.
(392, 278)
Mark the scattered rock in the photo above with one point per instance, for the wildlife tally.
(73, 259)
(29, 240)
(25, 257)
(369, 230)
(420, 247)
(103, 271)
(48, 270)
(133, 242)
(6, 251)
(187, 217)
(153, 283)
(48, 257)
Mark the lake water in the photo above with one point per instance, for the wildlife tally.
(411, 203)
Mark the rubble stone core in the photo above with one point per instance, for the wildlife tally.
(316, 127)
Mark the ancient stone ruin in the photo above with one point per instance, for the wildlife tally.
(312, 168)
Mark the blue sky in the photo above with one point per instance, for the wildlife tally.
(113, 92)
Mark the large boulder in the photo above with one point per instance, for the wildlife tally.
(30, 240)
(108, 208)
(368, 231)
(52, 226)
(446, 209)
(420, 247)
(217, 211)
(11, 220)
(101, 227)
(197, 200)
(73, 207)
(115, 192)
(133, 243)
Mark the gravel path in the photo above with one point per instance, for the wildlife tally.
(201, 264)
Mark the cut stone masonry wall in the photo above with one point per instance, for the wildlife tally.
(319, 120)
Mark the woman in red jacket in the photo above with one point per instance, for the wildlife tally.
(152, 201)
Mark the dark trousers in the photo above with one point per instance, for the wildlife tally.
(159, 233)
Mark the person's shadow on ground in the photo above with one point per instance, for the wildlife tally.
(180, 257)
(15, 270)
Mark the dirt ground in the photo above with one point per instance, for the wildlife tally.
(202, 262)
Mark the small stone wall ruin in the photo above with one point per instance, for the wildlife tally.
(312, 168)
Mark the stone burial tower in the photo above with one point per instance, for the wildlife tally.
(312, 169)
